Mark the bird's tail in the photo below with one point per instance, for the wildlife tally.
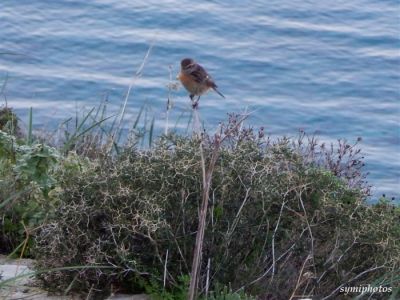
(218, 92)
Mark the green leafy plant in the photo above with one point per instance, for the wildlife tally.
(26, 178)
(225, 293)
(158, 292)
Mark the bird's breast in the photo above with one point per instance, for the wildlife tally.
(191, 85)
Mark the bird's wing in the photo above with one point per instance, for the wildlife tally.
(199, 74)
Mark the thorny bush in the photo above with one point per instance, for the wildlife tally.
(286, 218)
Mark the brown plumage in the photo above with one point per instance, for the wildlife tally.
(196, 79)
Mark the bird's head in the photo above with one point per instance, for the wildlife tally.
(186, 62)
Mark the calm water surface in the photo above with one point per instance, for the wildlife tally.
(328, 67)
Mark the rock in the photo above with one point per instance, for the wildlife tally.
(11, 270)
(22, 287)
(26, 288)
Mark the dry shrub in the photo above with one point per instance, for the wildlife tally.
(285, 218)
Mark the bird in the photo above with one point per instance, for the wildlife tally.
(196, 80)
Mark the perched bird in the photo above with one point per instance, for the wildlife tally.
(196, 79)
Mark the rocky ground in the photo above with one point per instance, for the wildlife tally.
(26, 288)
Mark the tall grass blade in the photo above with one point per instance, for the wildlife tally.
(77, 135)
(102, 116)
(11, 255)
(151, 131)
(29, 138)
(84, 119)
(3, 88)
(76, 116)
(78, 126)
(137, 75)
(95, 125)
(138, 116)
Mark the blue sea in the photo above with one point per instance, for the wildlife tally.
(328, 67)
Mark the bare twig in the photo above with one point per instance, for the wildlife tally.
(137, 75)
(169, 101)
(270, 268)
(354, 278)
(208, 276)
(165, 269)
(273, 239)
(298, 283)
(309, 230)
(207, 172)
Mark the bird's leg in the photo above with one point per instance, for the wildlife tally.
(195, 104)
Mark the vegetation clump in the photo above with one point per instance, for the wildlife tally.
(285, 218)
(8, 119)
(26, 179)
